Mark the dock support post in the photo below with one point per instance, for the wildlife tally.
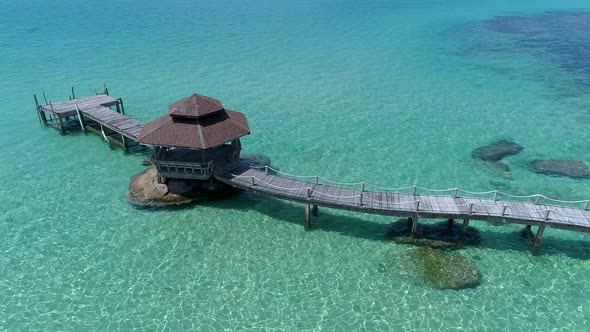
(124, 143)
(450, 222)
(465, 226)
(122, 106)
(73, 94)
(538, 239)
(118, 108)
(62, 129)
(314, 210)
(103, 133)
(80, 117)
(528, 227)
(40, 113)
(307, 217)
(414, 221)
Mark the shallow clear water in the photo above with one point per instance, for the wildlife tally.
(389, 92)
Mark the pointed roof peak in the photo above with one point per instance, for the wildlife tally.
(195, 106)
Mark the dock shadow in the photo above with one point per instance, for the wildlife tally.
(358, 227)
(326, 220)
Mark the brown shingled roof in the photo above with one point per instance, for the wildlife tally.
(195, 106)
(197, 130)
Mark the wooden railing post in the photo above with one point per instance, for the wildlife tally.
(547, 214)
(414, 190)
(456, 193)
(537, 199)
(362, 191)
(504, 210)
(265, 170)
(317, 180)
(417, 206)
(495, 195)
(252, 179)
(587, 205)
(470, 208)
(38, 108)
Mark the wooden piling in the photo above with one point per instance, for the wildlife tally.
(124, 143)
(40, 113)
(538, 239)
(122, 106)
(307, 223)
(450, 223)
(414, 227)
(314, 210)
(80, 118)
(464, 229)
(62, 129)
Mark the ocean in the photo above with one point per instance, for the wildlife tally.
(391, 92)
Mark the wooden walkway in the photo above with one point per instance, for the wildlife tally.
(117, 122)
(95, 108)
(415, 206)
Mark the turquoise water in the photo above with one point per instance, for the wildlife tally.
(389, 92)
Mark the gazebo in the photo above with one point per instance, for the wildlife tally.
(196, 137)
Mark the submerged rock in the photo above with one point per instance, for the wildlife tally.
(144, 190)
(497, 151)
(442, 270)
(438, 235)
(560, 167)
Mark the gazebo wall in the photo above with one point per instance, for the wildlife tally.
(182, 163)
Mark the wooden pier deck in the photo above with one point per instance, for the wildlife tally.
(94, 113)
(415, 206)
(96, 110)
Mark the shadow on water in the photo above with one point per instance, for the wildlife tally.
(358, 227)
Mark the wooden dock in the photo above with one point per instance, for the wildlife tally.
(92, 113)
(454, 205)
(95, 113)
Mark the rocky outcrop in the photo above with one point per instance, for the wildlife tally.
(144, 190)
(442, 270)
(560, 167)
(497, 150)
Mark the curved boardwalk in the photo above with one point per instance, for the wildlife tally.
(269, 182)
